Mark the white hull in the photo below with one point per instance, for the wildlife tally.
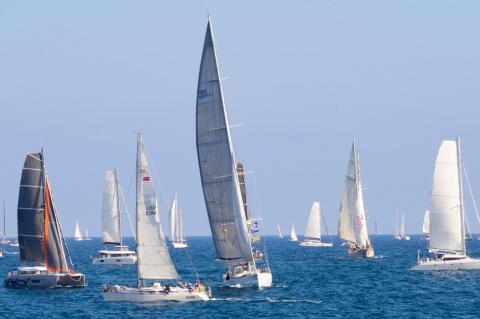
(39, 280)
(115, 261)
(402, 237)
(180, 245)
(258, 279)
(293, 239)
(314, 243)
(152, 294)
(465, 263)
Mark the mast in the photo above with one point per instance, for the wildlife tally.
(4, 231)
(137, 205)
(462, 213)
(115, 174)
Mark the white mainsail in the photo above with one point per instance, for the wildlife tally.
(426, 223)
(402, 226)
(78, 233)
(280, 235)
(216, 159)
(293, 234)
(153, 259)
(352, 223)
(313, 225)
(447, 233)
(111, 233)
(174, 220)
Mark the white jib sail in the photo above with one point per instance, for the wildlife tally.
(313, 224)
(279, 231)
(293, 234)
(111, 210)
(402, 226)
(153, 261)
(426, 222)
(446, 214)
(78, 233)
(173, 220)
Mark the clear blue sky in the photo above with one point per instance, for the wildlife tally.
(305, 77)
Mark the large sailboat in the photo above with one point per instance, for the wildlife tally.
(400, 230)
(43, 263)
(426, 225)
(447, 249)
(220, 180)
(313, 236)
(115, 253)
(176, 226)
(153, 259)
(352, 226)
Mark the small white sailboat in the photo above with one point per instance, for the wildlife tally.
(4, 240)
(176, 226)
(154, 262)
(293, 234)
(279, 231)
(78, 234)
(313, 234)
(400, 231)
(426, 225)
(352, 226)
(446, 246)
(115, 252)
(232, 232)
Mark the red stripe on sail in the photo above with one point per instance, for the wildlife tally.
(146, 178)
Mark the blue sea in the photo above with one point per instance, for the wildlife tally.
(307, 283)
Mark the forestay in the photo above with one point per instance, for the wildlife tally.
(217, 163)
(153, 261)
(446, 215)
(313, 225)
(111, 210)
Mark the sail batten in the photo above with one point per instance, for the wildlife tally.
(223, 196)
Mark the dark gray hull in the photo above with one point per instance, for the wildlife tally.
(44, 281)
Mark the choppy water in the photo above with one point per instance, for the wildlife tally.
(308, 283)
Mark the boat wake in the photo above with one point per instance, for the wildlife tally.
(268, 299)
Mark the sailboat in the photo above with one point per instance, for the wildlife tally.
(352, 226)
(293, 234)
(446, 246)
(115, 252)
(426, 225)
(86, 235)
(153, 259)
(220, 182)
(279, 231)
(400, 231)
(176, 226)
(43, 262)
(78, 234)
(4, 240)
(312, 236)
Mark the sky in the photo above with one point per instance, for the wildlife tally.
(304, 79)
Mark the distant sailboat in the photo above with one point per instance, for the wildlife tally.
(78, 234)
(154, 261)
(313, 236)
(4, 240)
(231, 230)
(86, 235)
(279, 231)
(352, 227)
(293, 234)
(426, 225)
(115, 253)
(43, 263)
(176, 226)
(447, 223)
(400, 231)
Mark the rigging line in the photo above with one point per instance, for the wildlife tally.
(126, 210)
(471, 192)
(326, 229)
(156, 177)
(192, 265)
(469, 232)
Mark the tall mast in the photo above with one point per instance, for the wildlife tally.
(136, 209)
(115, 174)
(462, 213)
(4, 232)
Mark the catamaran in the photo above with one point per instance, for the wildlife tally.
(312, 236)
(446, 246)
(426, 225)
(153, 259)
(176, 226)
(400, 231)
(293, 234)
(115, 252)
(231, 230)
(43, 263)
(279, 231)
(352, 226)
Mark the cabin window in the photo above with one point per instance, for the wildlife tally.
(35, 281)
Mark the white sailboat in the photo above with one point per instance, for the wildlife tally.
(313, 234)
(78, 234)
(115, 253)
(176, 226)
(447, 223)
(400, 231)
(4, 240)
(352, 226)
(293, 234)
(153, 258)
(426, 225)
(231, 230)
(279, 231)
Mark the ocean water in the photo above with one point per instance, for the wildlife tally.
(307, 283)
